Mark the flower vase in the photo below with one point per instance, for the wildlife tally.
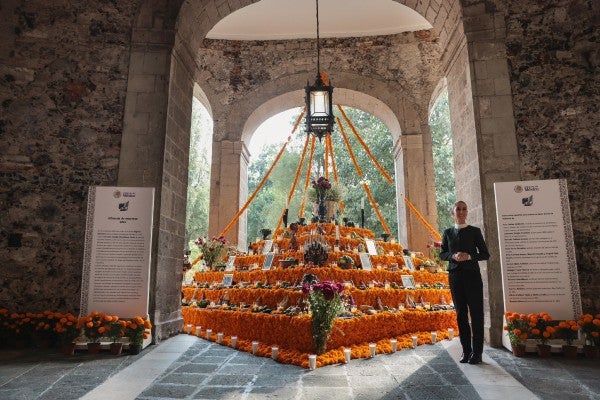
(321, 207)
(93, 347)
(591, 351)
(544, 350)
(68, 349)
(116, 348)
(518, 350)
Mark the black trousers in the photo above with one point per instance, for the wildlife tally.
(466, 287)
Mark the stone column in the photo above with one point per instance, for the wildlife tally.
(229, 190)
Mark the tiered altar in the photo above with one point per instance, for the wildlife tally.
(385, 301)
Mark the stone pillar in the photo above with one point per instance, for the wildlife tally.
(484, 141)
(229, 190)
(416, 189)
(400, 191)
(154, 152)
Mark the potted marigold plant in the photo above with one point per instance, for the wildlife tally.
(115, 331)
(517, 326)
(94, 328)
(590, 327)
(567, 330)
(67, 329)
(136, 330)
(541, 330)
(325, 303)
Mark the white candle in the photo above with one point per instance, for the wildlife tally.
(254, 347)
(234, 341)
(274, 352)
(347, 355)
(394, 344)
(433, 337)
(450, 333)
(312, 361)
(415, 341)
(362, 203)
(220, 337)
(393, 241)
(189, 328)
(208, 333)
(372, 348)
(198, 330)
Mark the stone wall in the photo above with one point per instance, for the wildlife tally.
(63, 77)
(554, 61)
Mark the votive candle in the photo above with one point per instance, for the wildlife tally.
(372, 348)
(450, 333)
(312, 361)
(198, 330)
(220, 337)
(394, 344)
(189, 328)
(347, 355)
(415, 341)
(254, 347)
(208, 333)
(274, 352)
(234, 341)
(433, 337)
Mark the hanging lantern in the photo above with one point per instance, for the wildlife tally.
(319, 97)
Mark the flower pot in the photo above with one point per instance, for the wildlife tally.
(569, 351)
(518, 350)
(116, 348)
(544, 350)
(135, 348)
(591, 351)
(93, 348)
(68, 349)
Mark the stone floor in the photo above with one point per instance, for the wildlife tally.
(186, 367)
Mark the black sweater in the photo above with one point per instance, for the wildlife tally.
(467, 240)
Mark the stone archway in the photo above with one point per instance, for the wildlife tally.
(165, 44)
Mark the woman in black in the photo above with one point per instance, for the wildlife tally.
(463, 246)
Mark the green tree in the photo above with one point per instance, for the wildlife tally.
(443, 159)
(266, 209)
(198, 196)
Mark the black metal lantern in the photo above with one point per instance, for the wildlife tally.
(319, 98)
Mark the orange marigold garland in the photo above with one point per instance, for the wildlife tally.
(364, 145)
(376, 208)
(430, 228)
(307, 180)
(352, 157)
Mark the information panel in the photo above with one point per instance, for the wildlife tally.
(118, 238)
(537, 252)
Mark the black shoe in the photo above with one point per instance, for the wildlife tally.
(475, 359)
(465, 358)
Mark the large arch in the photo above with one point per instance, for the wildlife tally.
(165, 44)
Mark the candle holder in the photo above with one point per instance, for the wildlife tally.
(312, 361)
(347, 355)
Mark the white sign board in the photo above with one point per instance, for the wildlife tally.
(371, 249)
(116, 260)
(537, 252)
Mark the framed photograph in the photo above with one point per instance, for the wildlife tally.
(227, 280)
(371, 249)
(408, 281)
(408, 262)
(230, 264)
(365, 261)
(268, 261)
(268, 246)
